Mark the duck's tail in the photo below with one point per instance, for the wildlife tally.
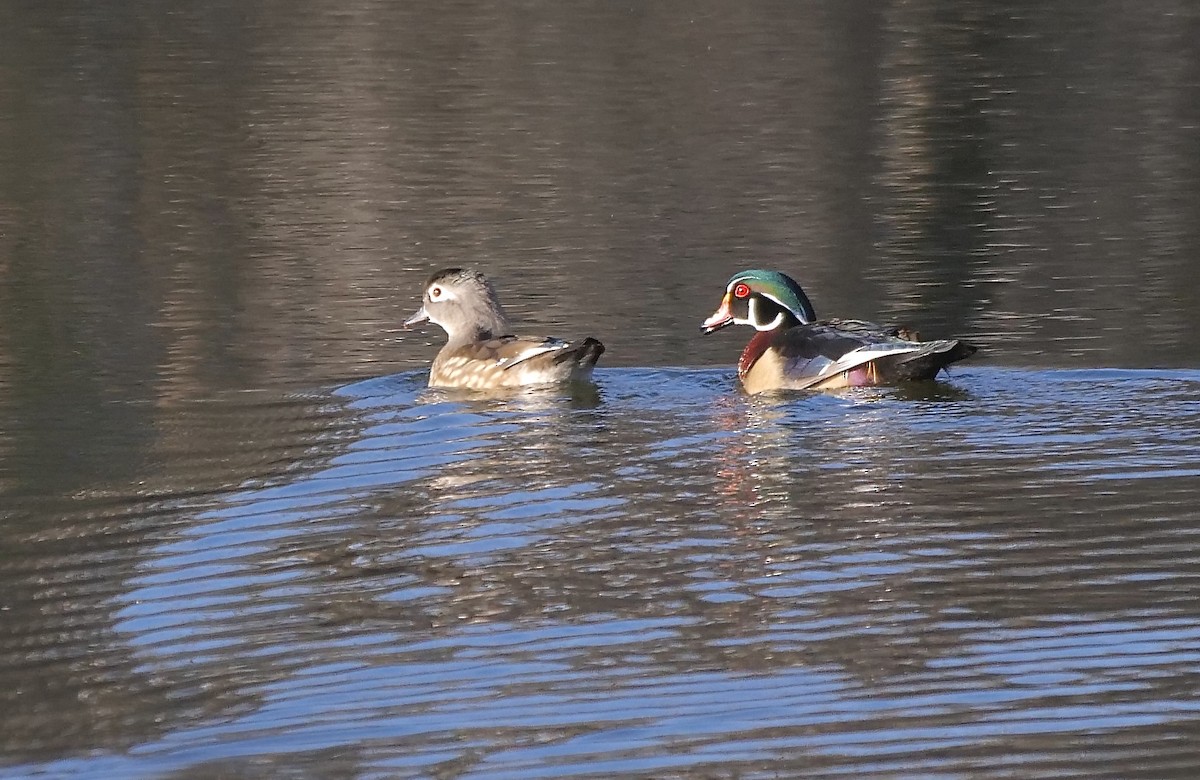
(926, 362)
(584, 353)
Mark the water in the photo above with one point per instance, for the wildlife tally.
(239, 537)
(664, 578)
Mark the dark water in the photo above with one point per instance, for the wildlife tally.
(239, 538)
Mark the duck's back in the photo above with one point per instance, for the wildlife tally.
(514, 361)
(842, 353)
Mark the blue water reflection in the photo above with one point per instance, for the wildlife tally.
(678, 577)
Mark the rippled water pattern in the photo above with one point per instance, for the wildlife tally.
(993, 576)
(240, 539)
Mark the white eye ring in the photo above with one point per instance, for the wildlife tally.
(435, 293)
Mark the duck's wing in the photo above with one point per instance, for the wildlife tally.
(505, 351)
(811, 354)
(512, 351)
(515, 360)
(814, 354)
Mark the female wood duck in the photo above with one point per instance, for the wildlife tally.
(792, 351)
(481, 353)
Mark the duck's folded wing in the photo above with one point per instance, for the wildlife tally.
(814, 353)
(508, 352)
(514, 350)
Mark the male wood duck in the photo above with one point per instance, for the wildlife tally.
(793, 351)
(481, 353)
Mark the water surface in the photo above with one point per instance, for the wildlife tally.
(240, 538)
(665, 577)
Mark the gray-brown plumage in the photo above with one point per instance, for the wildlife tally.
(481, 352)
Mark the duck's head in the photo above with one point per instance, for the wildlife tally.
(464, 304)
(764, 299)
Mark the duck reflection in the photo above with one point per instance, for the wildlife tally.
(824, 480)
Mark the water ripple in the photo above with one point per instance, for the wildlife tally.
(665, 578)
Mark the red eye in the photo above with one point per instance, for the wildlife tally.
(741, 290)
(435, 292)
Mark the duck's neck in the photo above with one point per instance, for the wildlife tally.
(492, 327)
(754, 350)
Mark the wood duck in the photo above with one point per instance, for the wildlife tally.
(793, 351)
(481, 353)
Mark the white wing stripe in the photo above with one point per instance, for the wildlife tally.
(865, 354)
(532, 351)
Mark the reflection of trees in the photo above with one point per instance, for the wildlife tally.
(234, 197)
(65, 682)
(231, 197)
(1034, 169)
(73, 676)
